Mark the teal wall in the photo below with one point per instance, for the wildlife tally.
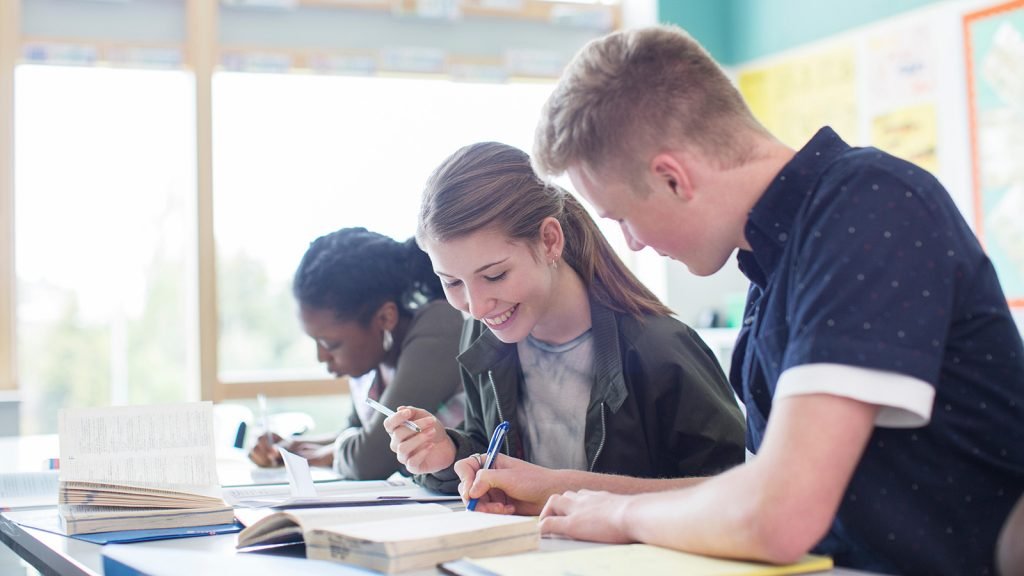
(737, 31)
(709, 21)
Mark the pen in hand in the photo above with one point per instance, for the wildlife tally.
(389, 412)
(492, 452)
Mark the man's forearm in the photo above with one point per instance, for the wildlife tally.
(580, 480)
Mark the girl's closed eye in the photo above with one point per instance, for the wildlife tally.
(496, 278)
(451, 283)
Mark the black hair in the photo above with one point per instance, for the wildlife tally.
(354, 271)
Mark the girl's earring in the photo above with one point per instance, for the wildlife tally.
(389, 341)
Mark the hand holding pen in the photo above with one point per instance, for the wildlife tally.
(497, 438)
(389, 412)
(419, 440)
(509, 485)
(264, 452)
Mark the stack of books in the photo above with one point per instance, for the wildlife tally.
(139, 468)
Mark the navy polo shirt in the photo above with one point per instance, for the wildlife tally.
(861, 259)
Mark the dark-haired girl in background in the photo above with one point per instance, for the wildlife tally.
(378, 315)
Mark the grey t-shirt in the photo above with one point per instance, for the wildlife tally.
(553, 403)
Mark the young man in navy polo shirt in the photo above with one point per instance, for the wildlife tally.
(882, 372)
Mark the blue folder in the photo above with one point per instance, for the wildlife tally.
(46, 519)
(127, 536)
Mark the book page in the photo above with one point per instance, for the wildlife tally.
(439, 531)
(308, 519)
(25, 489)
(337, 493)
(161, 446)
(299, 479)
(333, 487)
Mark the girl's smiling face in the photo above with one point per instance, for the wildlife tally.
(506, 284)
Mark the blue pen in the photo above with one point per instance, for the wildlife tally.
(492, 451)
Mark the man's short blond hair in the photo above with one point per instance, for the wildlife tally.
(636, 92)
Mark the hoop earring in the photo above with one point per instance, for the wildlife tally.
(389, 341)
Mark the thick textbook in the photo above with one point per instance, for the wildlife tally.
(139, 467)
(290, 526)
(627, 559)
(394, 538)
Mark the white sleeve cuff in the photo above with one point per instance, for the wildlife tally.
(905, 402)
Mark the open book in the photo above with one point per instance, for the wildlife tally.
(28, 489)
(139, 467)
(396, 537)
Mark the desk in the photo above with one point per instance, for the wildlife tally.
(53, 554)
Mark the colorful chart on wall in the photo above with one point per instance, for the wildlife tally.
(796, 96)
(901, 65)
(994, 47)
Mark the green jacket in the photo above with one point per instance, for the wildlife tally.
(660, 407)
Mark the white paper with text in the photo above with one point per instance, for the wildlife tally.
(160, 446)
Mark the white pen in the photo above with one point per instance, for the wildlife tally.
(389, 412)
(261, 401)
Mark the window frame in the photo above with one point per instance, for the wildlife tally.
(202, 55)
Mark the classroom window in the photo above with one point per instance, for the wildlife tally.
(104, 237)
(299, 156)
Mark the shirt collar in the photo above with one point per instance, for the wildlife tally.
(770, 222)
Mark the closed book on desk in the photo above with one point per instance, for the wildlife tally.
(627, 559)
(139, 467)
(85, 519)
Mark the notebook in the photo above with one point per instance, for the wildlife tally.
(627, 559)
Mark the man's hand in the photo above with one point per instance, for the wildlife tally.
(587, 515)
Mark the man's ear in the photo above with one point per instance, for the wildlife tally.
(387, 316)
(552, 239)
(671, 173)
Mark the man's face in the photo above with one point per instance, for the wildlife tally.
(652, 213)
